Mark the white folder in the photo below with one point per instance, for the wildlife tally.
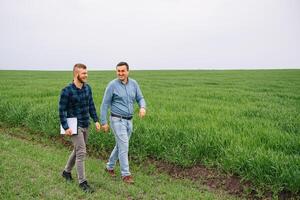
(72, 123)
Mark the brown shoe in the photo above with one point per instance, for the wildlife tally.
(128, 179)
(111, 172)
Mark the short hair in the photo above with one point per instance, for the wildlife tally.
(123, 63)
(78, 66)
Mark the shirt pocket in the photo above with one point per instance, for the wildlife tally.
(85, 98)
(132, 95)
(118, 95)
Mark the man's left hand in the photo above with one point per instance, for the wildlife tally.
(98, 126)
(142, 112)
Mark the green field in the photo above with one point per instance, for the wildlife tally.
(241, 122)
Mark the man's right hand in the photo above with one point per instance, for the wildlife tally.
(68, 132)
(105, 127)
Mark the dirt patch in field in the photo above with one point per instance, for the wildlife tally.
(217, 180)
(207, 176)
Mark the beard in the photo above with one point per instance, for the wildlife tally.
(80, 79)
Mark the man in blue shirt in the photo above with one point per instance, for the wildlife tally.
(119, 96)
(76, 100)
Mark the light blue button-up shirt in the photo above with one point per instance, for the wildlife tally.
(120, 98)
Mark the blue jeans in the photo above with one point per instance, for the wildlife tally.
(122, 129)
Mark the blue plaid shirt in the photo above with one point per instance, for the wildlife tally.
(75, 102)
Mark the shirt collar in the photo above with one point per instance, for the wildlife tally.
(122, 82)
(74, 86)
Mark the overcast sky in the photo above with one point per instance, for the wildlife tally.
(156, 34)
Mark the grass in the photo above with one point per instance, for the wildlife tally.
(242, 122)
(32, 170)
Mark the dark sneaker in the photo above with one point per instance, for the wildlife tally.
(128, 179)
(85, 187)
(111, 172)
(67, 176)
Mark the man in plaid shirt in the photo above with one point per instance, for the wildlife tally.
(76, 100)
